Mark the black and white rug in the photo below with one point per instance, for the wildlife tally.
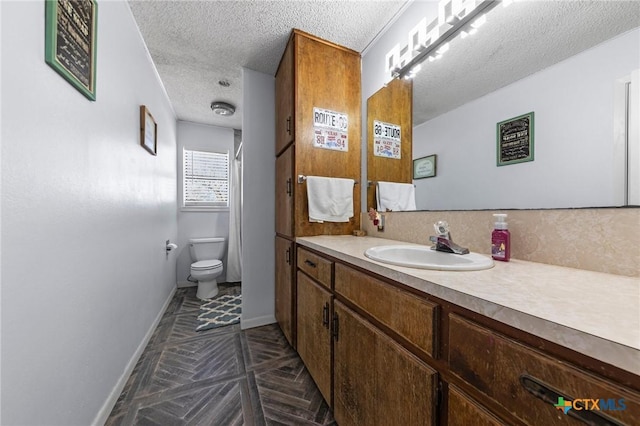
(219, 311)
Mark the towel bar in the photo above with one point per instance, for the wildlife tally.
(373, 182)
(302, 178)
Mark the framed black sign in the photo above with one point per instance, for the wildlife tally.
(515, 140)
(70, 42)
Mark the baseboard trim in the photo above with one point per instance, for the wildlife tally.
(257, 322)
(108, 405)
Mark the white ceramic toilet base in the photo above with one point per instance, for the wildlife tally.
(207, 289)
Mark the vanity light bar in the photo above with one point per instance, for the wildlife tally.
(458, 25)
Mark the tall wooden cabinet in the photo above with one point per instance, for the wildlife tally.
(313, 75)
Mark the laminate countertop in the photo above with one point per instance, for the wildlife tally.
(589, 312)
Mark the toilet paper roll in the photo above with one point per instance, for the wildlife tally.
(171, 246)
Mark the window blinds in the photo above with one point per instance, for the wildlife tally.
(206, 179)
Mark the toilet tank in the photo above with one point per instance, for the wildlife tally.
(206, 248)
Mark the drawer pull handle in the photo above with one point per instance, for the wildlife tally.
(325, 315)
(289, 125)
(289, 188)
(310, 263)
(288, 256)
(550, 396)
(336, 326)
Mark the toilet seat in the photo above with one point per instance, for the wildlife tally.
(206, 265)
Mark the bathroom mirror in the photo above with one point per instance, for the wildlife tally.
(389, 136)
(568, 63)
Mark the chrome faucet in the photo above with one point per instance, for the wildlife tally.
(443, 241)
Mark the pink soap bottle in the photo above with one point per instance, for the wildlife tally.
(501, 239)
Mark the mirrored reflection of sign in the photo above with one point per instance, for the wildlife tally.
(330, 130)
(386, 140)
(515, 140)
(425, 167)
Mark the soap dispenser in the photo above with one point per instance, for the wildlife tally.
(501, 239)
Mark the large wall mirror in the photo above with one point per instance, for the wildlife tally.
(574, 65)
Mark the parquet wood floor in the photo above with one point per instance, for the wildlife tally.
(223, 376)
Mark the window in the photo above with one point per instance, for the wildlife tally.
(206, 179)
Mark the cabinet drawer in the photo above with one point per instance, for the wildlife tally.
(464, 411)
(315, 266)
(511, 373)
(409, 316)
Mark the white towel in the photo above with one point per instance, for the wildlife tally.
(395, 197)
(330, 199)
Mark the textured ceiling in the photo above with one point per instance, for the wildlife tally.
(517, 41)
(195, 44)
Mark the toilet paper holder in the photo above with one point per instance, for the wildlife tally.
(170, 246)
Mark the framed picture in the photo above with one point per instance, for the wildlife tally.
(424, 167)
(148, 131)
(70, 42)
(515, 140)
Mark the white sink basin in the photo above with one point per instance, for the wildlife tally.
(422, 257)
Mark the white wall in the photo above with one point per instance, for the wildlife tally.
(258, 217)
(85, 215)
(574, 138)
(200, 224)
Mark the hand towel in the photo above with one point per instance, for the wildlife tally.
(330, 199)
(395, 197)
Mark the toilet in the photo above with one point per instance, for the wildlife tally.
(206, 254)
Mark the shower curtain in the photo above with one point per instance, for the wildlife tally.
(234, 255)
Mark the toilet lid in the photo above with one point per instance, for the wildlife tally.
(206, 264)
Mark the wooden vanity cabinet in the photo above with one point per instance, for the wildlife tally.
(384, 355)
(313, 73)
(285, 119)
(284, 294)
(314, 331)
(410, 317)
(314, 313)
(377, 381)
(464, 411)
(528, 382)
(284, 194)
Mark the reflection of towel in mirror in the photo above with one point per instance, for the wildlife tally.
(330, 199)
(395, 197)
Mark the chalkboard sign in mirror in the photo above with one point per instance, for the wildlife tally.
(70, 42)
(515, 140)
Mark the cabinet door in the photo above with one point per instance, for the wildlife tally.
(284, 193)
(284, 287)
(313, 332)
(284, 100)
(376, 381)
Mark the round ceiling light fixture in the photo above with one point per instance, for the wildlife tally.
(223, 108)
